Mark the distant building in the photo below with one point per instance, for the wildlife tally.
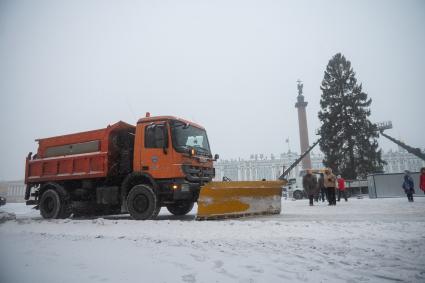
(3, 189)
(14, 191)
(400, 160)
(260, 166)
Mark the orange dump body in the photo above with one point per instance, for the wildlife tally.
(83, 155)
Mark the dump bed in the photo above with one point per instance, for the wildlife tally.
(92, 154)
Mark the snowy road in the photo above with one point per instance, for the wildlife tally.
(362, 240)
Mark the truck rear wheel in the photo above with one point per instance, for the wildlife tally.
(50, 204)
(142, 203)
(55, 204)
(181, 208)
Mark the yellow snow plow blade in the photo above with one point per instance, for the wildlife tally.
(219, 200)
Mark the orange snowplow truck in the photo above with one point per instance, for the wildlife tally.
(162, 161)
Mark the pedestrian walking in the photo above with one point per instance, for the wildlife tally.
(329, 182)
(310, 185)
(408, 185)
(341, 188)
(322, 188)
(317, 190)
(422, 180)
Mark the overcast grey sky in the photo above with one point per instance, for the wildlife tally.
(232, 66)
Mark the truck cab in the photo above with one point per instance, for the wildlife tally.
(176, 154)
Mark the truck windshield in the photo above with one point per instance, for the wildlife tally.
(185, 137)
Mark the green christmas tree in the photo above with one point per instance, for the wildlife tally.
(348, 137)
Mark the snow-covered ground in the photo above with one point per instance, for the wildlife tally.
(362, 240)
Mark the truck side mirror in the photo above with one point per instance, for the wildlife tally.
(216, 156)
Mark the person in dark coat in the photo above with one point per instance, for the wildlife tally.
(408, 186)
(329, 182)
(322, 188)
(317, 190)
(422, 180)
(310, 185)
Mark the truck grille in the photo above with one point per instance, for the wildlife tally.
(198, 173)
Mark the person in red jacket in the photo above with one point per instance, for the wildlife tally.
(341, 188)
(422, 180)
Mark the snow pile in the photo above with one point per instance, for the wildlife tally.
(362, 240)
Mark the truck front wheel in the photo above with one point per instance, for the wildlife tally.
(142, 203)
(181, 208)
(50, 204)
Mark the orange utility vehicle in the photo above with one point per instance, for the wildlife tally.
(162, 161)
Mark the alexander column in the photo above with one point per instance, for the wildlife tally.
(302, 122)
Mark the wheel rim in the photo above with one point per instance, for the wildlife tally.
(140, 203)
(48, 204)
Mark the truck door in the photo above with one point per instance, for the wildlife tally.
(156, 156)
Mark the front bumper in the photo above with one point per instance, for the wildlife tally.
(186, 191)
(180, 190)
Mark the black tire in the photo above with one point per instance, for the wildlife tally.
(181, 208)
(56, 204)
(142, 203)
(66, 203)
(50, 204)
(298, 195)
